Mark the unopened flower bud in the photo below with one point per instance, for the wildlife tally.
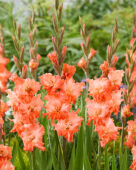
(84, 49)
(109, 53)
(113, 35)
(56, 4)
(64, 50)
(34, 31)
(91, 54)
(32, 53)
(33, 16)
(61, 35)
(17, 63)
(84, 28)
(15, 24)
(38, 57)
(88, 42)
(15, 42)
(116, 25)
(114, 61)
(1, 49)
(19, 32)
(116, 46)
(55, 44)
(31, 40)
(22, 54)
(36, 45)
(24, 71)
(55, 23)
(30, 23)
(60, 12)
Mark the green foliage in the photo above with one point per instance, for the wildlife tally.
(99, 18)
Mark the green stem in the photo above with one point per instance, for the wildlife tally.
(122, 134)
(64, 149)
(99, 154)
(32, 158)
(61, 150)
(87, 87)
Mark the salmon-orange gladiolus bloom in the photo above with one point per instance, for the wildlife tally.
(131, 129)
(4, 73)
(62, 92)
(133, 165)
(26, 107)
(106, 99)
(69, 126)
(5, 156)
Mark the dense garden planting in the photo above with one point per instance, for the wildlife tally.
(68, 98)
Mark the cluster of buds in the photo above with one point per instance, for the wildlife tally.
(35, 58)
(111, 50)
(114, 45)
(130, 71)
(59, 54)
(88, 54)
(133, 31)
(130, 96)
(20, 51)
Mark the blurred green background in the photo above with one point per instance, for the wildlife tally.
(99, 16)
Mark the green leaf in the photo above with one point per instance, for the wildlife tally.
(54, 158)
(124, 160)
(72, 159)
(106, 159)
(113, 158)
(79, 151)
(20, 156)
(86, 161)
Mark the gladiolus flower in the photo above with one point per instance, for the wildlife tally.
(107, 98)
(125, 112)
(32, 137)
(51, 83)
(133, 165)
(72, 90)
(53, 57)
(68, 71)
(116, 77)
(27, 107)
(5, 156)
(4, 73)
(3, 108)
(62, 92)
(69, 126)
(5, 152)
(6, 165)
(131, 128)
(100, 89)
(82, 63)
(57, 108)
(33, 64)
(108, 132)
